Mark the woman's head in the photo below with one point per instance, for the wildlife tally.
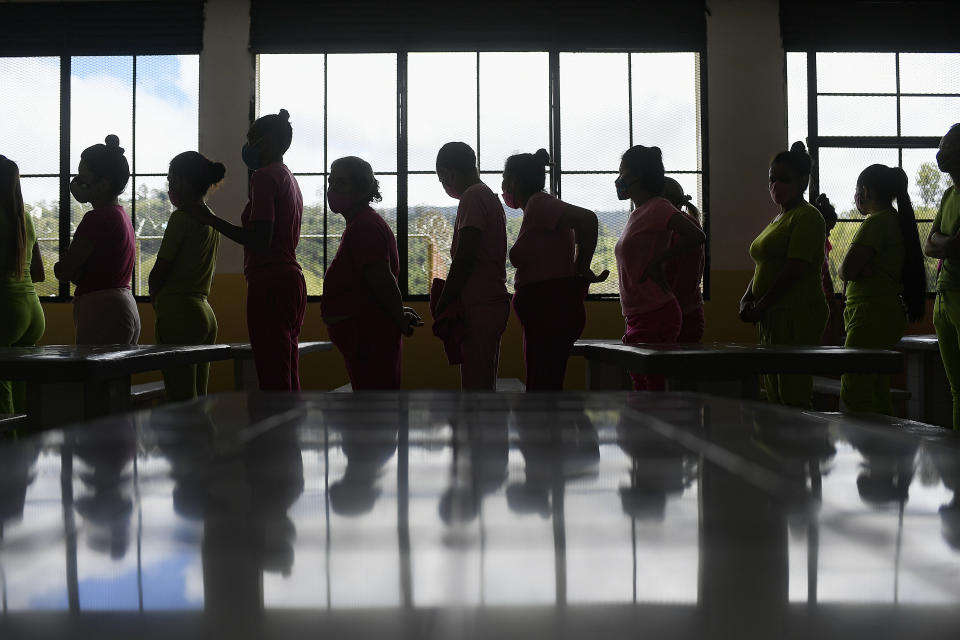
(13, 232)
(673, 191)
(351, 184)
(790, 174)
(103, 172)
(948, 157)
(268, 138)
(877, 186)
(641, 173)
(456, 167)
(191, 177)
(524, 174)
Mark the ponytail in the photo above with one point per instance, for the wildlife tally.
(13, 217)
(914, 273)
(692, 210)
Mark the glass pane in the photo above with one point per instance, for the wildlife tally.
(168, 93)
(443, 104)
(294, 82)
(310, 249)
(41, 201)
(665, 110)
(364, 124)
(596, 192)
(930, 72)
(30, 113)
(594, 118)
(856, 73)
(101, 103)
(432, 214)
(796, 97)
(927, 183)
(152, 213)
(518, 122)
(857, 116)
(928, 116)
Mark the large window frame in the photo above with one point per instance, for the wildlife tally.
(555, 147)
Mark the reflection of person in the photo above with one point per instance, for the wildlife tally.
(367, 451)
(482, 455)
(552, 254)
(269, 233)
(644, 249)
(100, 257)
(887, 282)
(181, 278)
(16, 463)
(685, 274)
(887, 468)
(362, 305)
(478, 273)
(943, 242)
(22, 322)
(949, 468)
(785, 296)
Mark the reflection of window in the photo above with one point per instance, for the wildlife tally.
(887, 108)
(499, 103)
(53, 108)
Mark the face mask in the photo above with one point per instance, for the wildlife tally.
(783, 192)
(251, 157)
(858, 202)
(509, 201)
(947, 161)
(79, 190)
(622, 185)
(339, 202)
(453, 193)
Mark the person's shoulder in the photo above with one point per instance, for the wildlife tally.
(808, 213)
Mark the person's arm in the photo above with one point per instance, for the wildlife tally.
(159, 275)
(461, 268)
(856, 263)
(74, 260)
(689, 237)
(384, 288)
(940, 245)
(37, 272)
(256, 235)
(789, 276)
(746, 303)
(586, 229)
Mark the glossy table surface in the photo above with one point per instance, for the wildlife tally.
(244, 350)
(448, 515)
(69, 363)
(923, 342)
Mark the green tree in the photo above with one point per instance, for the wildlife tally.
(931, 184)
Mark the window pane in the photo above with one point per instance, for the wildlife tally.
(665, 107)
(41, 200)
(928, 116)
(443, 104)
(796, 97)
(594, 118)
(930, 72)
(167, 110)
(514, 106)
(101, 103)
(856, 73)
(362, 108)
(152, 213)
(30, 113)
(927, 183)
(596, 192)
(295, 83)
(857, 116)
(432, 214)
(310, 249)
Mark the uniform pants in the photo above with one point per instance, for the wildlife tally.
(552, 316)
(276, 303)
(691, 328)
(876, 323)
(184, 319)
(21, 325)
(946, 320)
(371, 346)
(108, 316)
(660, 326)
(484, 325)
(793, 326)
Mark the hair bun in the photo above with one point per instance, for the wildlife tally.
(113, 142)
(215, 172)
(284, 115)
(542, 157)
(798, 147)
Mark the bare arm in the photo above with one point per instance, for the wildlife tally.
(258, 235)
(159, 275)
(37, 272)
(462, 267)
(586, 229)
(378, 277)
(74, 260)
(855, 263)
(939, 245)
(689, 237)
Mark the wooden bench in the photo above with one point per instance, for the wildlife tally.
(930, 397)
(10, 421)
(826, 394)
(507, 385)
(245, 371)
(147, 395)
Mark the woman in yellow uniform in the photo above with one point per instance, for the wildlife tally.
(785, 298)
(886, 284)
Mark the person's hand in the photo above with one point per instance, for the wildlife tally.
(199, 211)
(409, 321)
(654, 272)
(593, 278)
(751, 312)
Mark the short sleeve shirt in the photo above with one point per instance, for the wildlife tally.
(480, 208)
(799, 233)
(110, 266)
(274, 197)
(8, 280)
(543, 250)
(685, 273)
(948, 218)
(366, 239)
(881, 232)
(191, 248)
(645, 236)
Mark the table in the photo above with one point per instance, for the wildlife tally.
(245, 372)
(930, 397)
(70, 383)
(469, 515)
(723, 369)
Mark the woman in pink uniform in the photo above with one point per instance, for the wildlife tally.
(362, 305)
(552, 255)
(651, 309)
(686, 272)
(269, 233)
(478, 274)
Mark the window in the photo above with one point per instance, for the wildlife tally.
(857, 109)
(55, 107)
(397, 109)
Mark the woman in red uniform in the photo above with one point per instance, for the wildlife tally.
(686, 272)
(362, 305)
(552, 255)
(269, 233)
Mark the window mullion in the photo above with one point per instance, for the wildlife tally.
(813, 130)
(403, 227)
(64, 227)
(133, 178)
(555, 150)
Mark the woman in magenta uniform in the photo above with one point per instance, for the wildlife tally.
(101, 255)
(685, 274)
(552, 255)
(269, 233)
(655, 234)
(362, 305)
(478, 274)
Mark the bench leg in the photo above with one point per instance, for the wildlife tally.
(601, 376)
(54, 404)
(744, 388)
(245, 375)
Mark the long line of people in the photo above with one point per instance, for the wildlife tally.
(660, 260)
